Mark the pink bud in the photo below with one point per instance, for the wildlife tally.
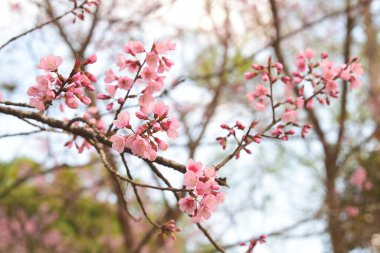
(102, 96)
(141, 115)
(290, 132)
(109, 106)
(249, 75)
(91, 59)
(324, 55)
(224, 126)
(86, 100)
(120, 100)
(257, 67)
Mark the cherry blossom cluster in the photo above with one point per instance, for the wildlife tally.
(314, 79)
(147, 67)
(320, 77)
(246, 139)
(205, 196)
(52, 85)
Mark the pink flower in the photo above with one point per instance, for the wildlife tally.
(118, 143)
(152, 59)
(352, 211)
(261, 91)
(50, 63)
(164, 65)
(161, 47)
(261, 106)
(146, 102)
(111, 90)
(209, 172)
(122, 120)
(125, 83)
(332, 87)
(202, 213)
(301, 64)
(209, 202)
(71, 101)
(141, 147)
(359, 177)
(148, 74)
(134, 47)
(202, 188)
(290, 116)
(37, 103)
(121, 62)
(187, 205)
(195, 167)
(132, 66)
(309, 53)
(83, 80)
(220, 197)
(110, 76)
(170, 126)
(160, 110)
(190, 179)
(161, 144)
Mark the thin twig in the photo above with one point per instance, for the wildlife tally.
(42, 25)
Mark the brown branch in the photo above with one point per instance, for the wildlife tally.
(141, 204)
(42, 25)
(20, 134)
(350, 22)
(82, 132)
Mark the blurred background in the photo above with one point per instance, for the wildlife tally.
(321, 194)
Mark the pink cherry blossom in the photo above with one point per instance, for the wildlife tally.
(121, 62)
(110, 76)
(152, 59)
(171, 126)
(122, 120)
(352, 211)
(290, 116)
(359, 177)
(309, 53)
(146, 102)
(210, 172)
(160, 109)
(148, 74)
(118, 143)
(141, 147)
(125, 83)
(187, 205)
(195, 167)
(190, 179)
(50, 63)
(37, 103)
(164, 65)
(161, 47)
(205, 195)
(134, 47)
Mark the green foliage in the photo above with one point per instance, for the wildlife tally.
(85, 223)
